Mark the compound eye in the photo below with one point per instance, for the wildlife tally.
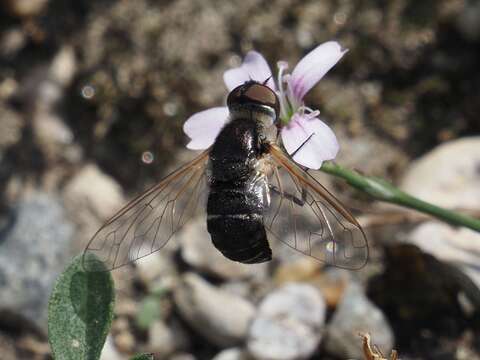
(252, 92)
(261, 94)
(235, 95)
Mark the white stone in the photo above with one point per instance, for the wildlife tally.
(288, 324)
(448, 176)
(356, 314)
(217, 315)
(459, 246)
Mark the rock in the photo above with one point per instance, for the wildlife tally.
(11, 124)
(459, 246)
(55, 139)
(36, 241)
(288, 324)
(157, 270)
(356, 314)
(304, 269)
(63, 67)
(25, 8)
(45, 84)
(161, 339)
(468, 21)
(7, 347)
(109, 351)
(125, 341)
(238, 288)
(11, 41)
(414, 289)
(232, 354)
(330, 281)
(217, 315)
(183, 356)
(448, 175)
(164, 340)
(199, 252)
(91, 197)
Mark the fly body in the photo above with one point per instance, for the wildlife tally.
(236, 200)
(239, 192)
(255, 194)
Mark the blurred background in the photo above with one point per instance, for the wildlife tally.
(93, 95)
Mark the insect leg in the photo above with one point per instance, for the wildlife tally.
(291, 197)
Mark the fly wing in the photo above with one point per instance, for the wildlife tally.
(308, 218)
(148, 222)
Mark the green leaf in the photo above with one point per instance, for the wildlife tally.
(80, 311)
(142, 357)
(149, 311)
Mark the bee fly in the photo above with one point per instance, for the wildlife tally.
(254, 193)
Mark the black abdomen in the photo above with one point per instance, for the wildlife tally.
(237, 197)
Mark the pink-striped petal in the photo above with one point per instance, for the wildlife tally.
(321, 146)
(203, 127)
(254, 67)
(314, 66)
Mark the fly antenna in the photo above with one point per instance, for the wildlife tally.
(307, 140)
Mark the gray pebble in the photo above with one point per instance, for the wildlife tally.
(356, 314)
(448, 175)
(232, 354)
(217, 315)
(288, 324)
(34, 249)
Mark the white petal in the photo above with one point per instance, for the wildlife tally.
(321, 146)
(254, 67)
(203, 127)
(314, 66)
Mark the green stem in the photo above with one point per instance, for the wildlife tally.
(382, 190)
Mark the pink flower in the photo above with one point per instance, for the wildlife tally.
(305, 137)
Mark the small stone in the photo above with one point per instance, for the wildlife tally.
(164, 340)
(55, 138)
(183, 356)
(217, 315)
(25, 8)
(63, 66)
(157, 270)
(468, 21)
(36, 240)
(301, 270)
(199, 252)
(109, 351)
(332, 283)
(7, 347)
(91, 197)
(416, 294)
(459, 246)
(288, 324)
(161, 339)
(91, 187)
(11, 124)
(120, 324)
(447, 176)
(125, 306)
(125, 341)
(356, 314)
(11, 41)
(233, 354)
(238, 288)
